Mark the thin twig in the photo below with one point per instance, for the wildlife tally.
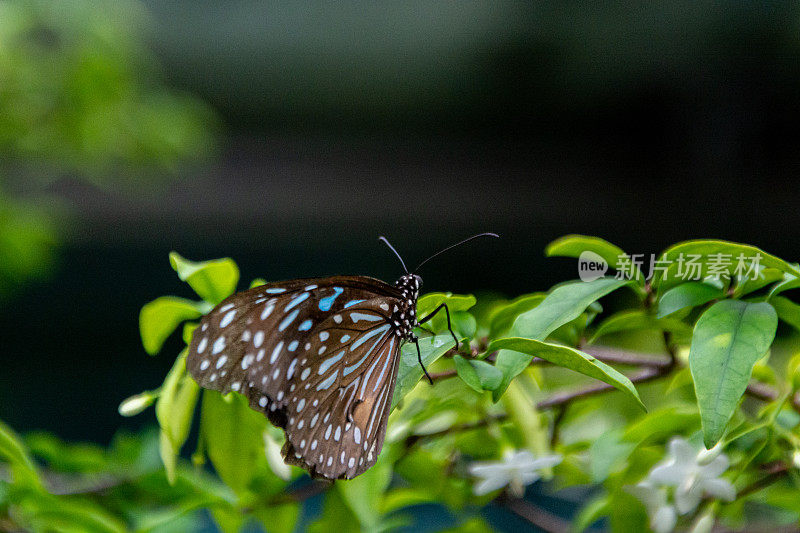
(625, 357)
(533, 514)
(468, 426)
(564, 397)
(301, 494)
(776, 472)
(438, 376)
(761, 391)
(765, 393)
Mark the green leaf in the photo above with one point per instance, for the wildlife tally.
(563, 304)
(660, 424)
(708, 248)
(409, 372)
(228, 520)
(637, 320)
(787, 310)
(49, 513)
(729, 338)
(590, 513)
(789, 282)
(279, 518)
(747, 284)
(174, 411)
(159, 318)
(527, 420)
(464, 324)
(511, 364)
(335, 511)
(455, 303)
(574, 360)
(689, 294)
(188, 331)
(626, 512)
(478, 375)
(233, 437)
(13, 451)
(212, 280)
(504, 316)
(575, 245)
(608, 454)
(364, 493)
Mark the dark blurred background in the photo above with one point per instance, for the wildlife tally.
(289, 136)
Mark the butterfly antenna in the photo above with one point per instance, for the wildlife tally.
(384, 239)
(456, 244)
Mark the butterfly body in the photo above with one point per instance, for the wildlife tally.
(319, 357)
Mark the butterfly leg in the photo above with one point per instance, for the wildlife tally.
(415, 340)
(426, 330)
(446, 312)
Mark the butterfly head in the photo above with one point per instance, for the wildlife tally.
(409, 285)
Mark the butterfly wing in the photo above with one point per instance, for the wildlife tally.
(317, 356)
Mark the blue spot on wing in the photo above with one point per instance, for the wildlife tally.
(275, 290)
(353, 302)
(326, 303)
(305, 325)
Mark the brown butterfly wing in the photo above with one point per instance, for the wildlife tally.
(301, 348)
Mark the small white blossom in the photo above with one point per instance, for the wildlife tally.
(516, 470)
(272, 449)
(691, 478)
(136, 404)
(662, 515)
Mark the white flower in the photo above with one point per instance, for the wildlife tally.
(515, 470)
(662, 515)
(691, 478)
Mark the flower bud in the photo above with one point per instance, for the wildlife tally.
(706, 456)
(136, 404)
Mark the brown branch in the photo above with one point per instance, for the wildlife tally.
(625, 357)
(468, 426)
(564, 397)
(765, 393)
(438, 376)
(300, 494)
(776, 472)
(533, 514)
(761, 391)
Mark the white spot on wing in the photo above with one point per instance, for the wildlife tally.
(227, 319)
(219, 345)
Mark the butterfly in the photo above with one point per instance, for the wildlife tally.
(318, 357)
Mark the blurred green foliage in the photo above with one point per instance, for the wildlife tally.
(81, 96)
(81, 93)
(521, 390)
